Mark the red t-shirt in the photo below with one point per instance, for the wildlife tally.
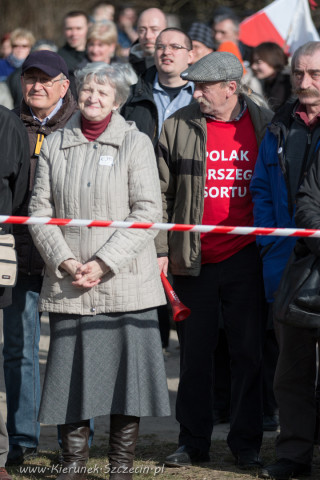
(231, 156)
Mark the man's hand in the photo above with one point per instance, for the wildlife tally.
(163, 263)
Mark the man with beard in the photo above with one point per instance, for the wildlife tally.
(207, 153)
(285, 157)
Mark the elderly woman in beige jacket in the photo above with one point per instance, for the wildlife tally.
(101, 286)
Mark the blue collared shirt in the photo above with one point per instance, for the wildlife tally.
(162, 100)
(52, 114)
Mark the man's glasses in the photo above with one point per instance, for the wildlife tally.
(173, 47)
(45, 82)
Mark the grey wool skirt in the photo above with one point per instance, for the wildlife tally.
(104, 364)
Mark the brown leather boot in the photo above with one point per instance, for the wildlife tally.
(75, 450)
(122, 443)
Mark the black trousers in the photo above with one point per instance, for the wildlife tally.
(295, 392)
(222, 394)
(235, 284)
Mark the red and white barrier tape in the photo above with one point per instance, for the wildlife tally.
(66, 222)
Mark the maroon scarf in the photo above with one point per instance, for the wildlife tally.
(93, 130)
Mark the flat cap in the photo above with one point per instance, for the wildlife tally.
(215, 67)
(48, 62)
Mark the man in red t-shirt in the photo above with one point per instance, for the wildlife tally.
(207, 155)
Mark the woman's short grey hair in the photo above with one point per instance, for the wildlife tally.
(119, 75)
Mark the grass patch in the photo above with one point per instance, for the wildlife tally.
(150, 455)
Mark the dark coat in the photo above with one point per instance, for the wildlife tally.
(277, 90)
(14, 167)
(140, 106)
(139, 62)
(308, 204)
(14, 84)
(29, 260)
(71, 56)
(273, 192)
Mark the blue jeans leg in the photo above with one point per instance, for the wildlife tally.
(21, 332)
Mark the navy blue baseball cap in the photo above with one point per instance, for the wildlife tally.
(48, 62)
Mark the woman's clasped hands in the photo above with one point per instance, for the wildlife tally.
(85, 275)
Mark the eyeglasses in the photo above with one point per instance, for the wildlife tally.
(21, 46)
(173, 47)
(31, 80)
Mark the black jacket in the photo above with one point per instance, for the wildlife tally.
(71, 56)
(280, 128)
(308, 205)
(139, 62)
(277, 90)
(14, 84)
(29, 260)
(14, 167)
(140, 106)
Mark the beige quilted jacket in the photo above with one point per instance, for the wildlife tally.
(112, 178)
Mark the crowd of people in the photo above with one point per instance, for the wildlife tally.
(140, 120)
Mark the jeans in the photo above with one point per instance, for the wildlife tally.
(21, 332)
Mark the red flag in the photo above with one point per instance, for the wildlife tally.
(285, 22)
(313, 4)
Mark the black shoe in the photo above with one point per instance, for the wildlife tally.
(248, 461)
(283, 469)
(270, 423)
(186, 456)
(18, 454)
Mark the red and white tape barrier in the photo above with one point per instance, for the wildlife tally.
(219, 229)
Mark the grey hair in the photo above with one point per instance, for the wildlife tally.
(255, 97)
(228, 16)
(308, 48)
(118, 75)
(238, 90)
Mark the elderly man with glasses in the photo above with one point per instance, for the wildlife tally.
(47, 105)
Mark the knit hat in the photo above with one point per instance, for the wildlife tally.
(48, 62)
(201, 33)
(215, 67)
